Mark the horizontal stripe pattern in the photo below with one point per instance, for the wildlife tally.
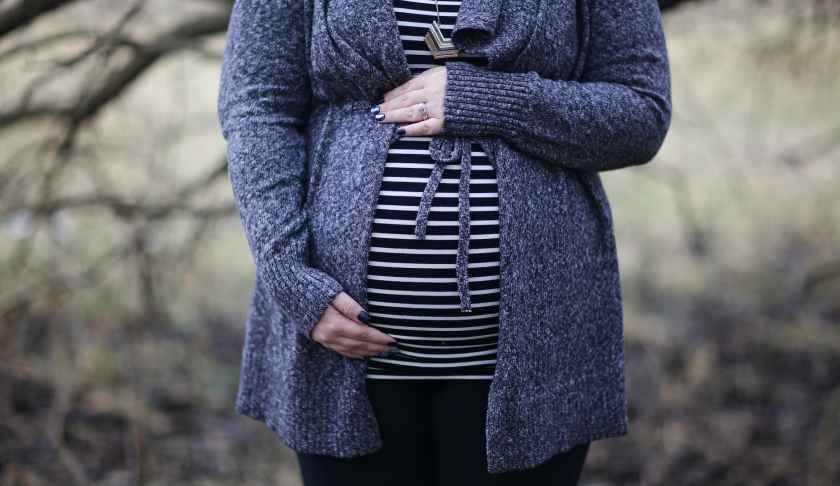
(411, 283)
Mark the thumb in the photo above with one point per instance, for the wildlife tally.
(350, 308)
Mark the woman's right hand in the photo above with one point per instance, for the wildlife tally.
(341, 330)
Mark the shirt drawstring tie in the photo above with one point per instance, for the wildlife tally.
(444, 150)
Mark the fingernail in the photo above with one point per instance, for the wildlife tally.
(400, 131)
(364, 317)
(380, 116)
(375, 109)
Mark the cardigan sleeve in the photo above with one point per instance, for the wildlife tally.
(615, 115)
(263, 104)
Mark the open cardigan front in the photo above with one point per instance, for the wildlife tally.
(571, 88)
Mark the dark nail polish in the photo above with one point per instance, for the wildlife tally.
(380, 116)
(364, 317)
(400, 131)
(375, 109)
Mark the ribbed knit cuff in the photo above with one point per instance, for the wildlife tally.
(481, 102)
(304, 293)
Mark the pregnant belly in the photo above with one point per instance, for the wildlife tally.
(411, 282)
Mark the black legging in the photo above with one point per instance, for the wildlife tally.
(433, 435)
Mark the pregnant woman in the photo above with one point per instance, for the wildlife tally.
(437, 298)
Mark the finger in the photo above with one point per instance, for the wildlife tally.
(412, 84)
(409, 114)
(348, 307)
(357, 346)
(352, 353)
(360, 332)
(432, 126)
(345, 352)
(353, 326)
(408, 101)
(341, 327)
(363, 332)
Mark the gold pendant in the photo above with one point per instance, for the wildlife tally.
(440, 46)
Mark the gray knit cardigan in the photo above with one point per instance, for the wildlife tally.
(571, 88)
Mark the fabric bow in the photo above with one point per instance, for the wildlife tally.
(444, 150)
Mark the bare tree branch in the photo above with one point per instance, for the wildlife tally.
(24, 12)
(118, 80)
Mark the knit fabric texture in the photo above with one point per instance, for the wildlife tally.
(571, 88)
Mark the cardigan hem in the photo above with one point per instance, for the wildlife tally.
(612, 430)
(307, 448)
(613, 425)
(615, 429)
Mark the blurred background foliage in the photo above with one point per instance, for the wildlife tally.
(125, 276)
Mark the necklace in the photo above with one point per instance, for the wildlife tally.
(440, 46)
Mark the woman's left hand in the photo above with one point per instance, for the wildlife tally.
(402, 104)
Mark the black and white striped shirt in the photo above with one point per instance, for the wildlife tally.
(411, 283)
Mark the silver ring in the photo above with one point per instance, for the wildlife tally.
(424, 111)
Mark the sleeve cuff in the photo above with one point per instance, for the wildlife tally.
(304, 293)
(479, 101)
